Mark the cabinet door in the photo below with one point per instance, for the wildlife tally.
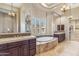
(32, 47)
(14, 51)
(58, 28)
(24, 51)
(4, 53)
(62, 27)
(32, 52)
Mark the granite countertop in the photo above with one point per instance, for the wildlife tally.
(59, 32)
(12, 33)
(15, 39)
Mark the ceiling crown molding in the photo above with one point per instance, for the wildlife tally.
(49, 5)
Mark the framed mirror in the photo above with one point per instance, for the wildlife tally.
(8, 23)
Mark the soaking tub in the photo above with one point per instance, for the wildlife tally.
(45, 43)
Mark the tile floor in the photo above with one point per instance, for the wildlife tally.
(66, 48)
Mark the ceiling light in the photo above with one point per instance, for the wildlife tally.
(64, 8)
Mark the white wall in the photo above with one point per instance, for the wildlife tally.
(50, 24)
(24, 10)
(63, 20)
(35, 12)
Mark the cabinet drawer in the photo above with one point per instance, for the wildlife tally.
(4, 53)
(32, 41)
(32, 47)
(31, 44)
(3, 46)
(14, 51)
(14, 44)
(25, 42)
(24, 50)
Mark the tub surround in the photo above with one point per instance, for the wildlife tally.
(45, 43)
(18, 46)
(66, 48)
(44, 40)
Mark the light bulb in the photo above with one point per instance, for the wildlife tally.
(8, 29)
(13, 14)
(67, 7)
(64, 6)
(61, 9)
(9, 13)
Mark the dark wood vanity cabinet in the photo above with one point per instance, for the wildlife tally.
(24, 48)
(21, 48)
(32, 47)
(13, 51)
(4, 53)
(3, 50)
(9, 49)
(29, 47)
(61, 37)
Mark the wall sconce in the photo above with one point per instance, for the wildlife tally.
(70, 17)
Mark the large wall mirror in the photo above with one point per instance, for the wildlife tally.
(8, 23)
(13, 21)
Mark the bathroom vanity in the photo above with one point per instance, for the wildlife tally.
(60, 33)
(60, 36)
(18, 46)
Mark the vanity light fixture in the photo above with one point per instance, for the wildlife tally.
(11, 13)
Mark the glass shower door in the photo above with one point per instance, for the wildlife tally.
(74, 30)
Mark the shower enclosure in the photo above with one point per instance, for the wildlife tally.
(74, 30)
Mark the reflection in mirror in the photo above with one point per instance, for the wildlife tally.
(27, 23)
(7, 22)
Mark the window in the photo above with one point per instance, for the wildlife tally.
(38, 26)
